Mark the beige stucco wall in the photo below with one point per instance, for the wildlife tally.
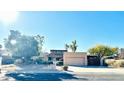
(77, 58)
(121, 54)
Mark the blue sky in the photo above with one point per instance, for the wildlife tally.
(88, 28)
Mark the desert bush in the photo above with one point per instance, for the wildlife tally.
(49, 62)
(46, 63)
(115, 63)
(18, 62)
(110, 62)
(121, 62)
(65, 68)
(36, 59)
(60, 63)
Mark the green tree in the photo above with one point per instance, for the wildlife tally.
(102, 50)
(40, 40)
(21, 45)
(73, 46)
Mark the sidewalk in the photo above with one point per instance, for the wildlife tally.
(96, 70)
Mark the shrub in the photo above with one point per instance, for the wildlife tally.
(46, 62)
(49, 62)
(121, 62)
(36, 60)
(115, 63)
(18, 61)
(110, 62)
(60, 63)
(65, 68)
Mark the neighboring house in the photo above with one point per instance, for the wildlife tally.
(121, 53)
(56, 55)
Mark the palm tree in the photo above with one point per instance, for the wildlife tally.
(66, 47)
(74, 46)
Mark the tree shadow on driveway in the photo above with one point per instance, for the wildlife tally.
(43, 76)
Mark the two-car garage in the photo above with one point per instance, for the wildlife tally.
(80, 59)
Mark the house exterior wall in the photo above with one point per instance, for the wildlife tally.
(121, 53)
(75, 59)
